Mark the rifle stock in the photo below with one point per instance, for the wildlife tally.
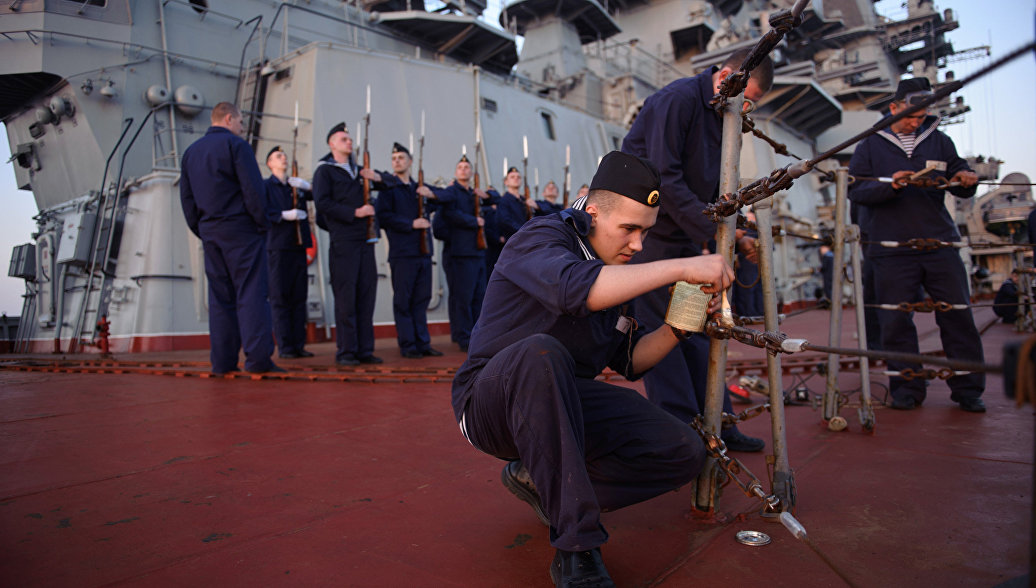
(372, 236)
(480, 235)
(423, 233)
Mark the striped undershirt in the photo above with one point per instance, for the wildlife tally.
(907, 140)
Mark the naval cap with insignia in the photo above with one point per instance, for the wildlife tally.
(629, 175)
(340, 127)
(397, 148)
(275, 149)
(512, 169)
(464, 159)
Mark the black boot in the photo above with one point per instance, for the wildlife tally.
(516, 479)
(580, 569)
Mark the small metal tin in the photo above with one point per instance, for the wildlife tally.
(753, 538)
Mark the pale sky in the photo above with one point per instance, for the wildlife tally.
(1002, 121)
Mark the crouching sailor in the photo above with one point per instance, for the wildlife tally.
(555, 316)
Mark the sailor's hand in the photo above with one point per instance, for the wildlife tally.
(481, 221)
(425, 192)
(749, 247)
(710, 270)
(299, 183)
(421, 223)
(370, 174)
(294, 214)
(967, 179)
(899, 179)
(364, 211)
(482, 194)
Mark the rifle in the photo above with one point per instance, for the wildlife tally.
(568, 178)
(372, 235)
(295, 173)
(420, 182)
(525, 175)
(480, 236)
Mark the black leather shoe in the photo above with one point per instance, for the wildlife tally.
(290, 355)
(304, 353)
(230, 371)
(369, 359)
(738, 441)
(348, 360)
(579, 569)
(516, 479)
(272, 369)
(905, 403)
(431, 352)
(972, 405)
(413, 355)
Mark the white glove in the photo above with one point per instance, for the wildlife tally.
(300, 184)
(293, 215)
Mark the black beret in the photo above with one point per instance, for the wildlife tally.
(513, 169)
(274, 150)
(397, 148)
(629, 175)
(340, 127)
(463, 158)
(912, 86)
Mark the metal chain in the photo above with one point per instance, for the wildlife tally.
(926, 374)
(729, 420)
(733, 468)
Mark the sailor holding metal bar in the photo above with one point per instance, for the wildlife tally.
(899, 212)
(679, 132)
(556, 314)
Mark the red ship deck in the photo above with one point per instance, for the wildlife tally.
(137, 479)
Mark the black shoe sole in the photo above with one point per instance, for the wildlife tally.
(523, 493)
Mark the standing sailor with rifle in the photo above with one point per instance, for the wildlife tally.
(286, 244)
(403, 214)
(345, 211)
(466, 250)
(512, 212)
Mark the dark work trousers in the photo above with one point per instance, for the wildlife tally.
(354, 281)
(449, 288)
(288, 291)
(467, 289)
(239, 312)
(590, 446)
(411, 293)
(747, 299)
(677, 384)
(898, 278)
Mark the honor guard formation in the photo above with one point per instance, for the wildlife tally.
(544, 294)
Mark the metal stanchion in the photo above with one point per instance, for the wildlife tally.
(866, 411)
(835, 422)
(783, 481)
(706, 486)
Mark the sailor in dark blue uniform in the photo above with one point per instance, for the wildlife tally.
(512, 212)
(338, 191)
(225, 204)
(898, 212)
(397, 206)
(286, 245)
(555, 316)
(548, 204)
(679, 132)
(464, 260)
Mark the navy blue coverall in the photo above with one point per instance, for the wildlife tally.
(338, 191)
(225, 204)
(289, 278)
(900, 273)
(527, 389)
(680, 133)
(465, 263)
(397, 208)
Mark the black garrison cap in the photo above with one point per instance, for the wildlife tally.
(464, 158)
(274, 150)
(629, 175)
(397, 148)
(338, 127)
(912, 86)
(512, 169)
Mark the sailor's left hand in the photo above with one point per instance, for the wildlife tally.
(425, 192)
(299, 183)
(967, 179)
(749, 247)
(370, 174)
